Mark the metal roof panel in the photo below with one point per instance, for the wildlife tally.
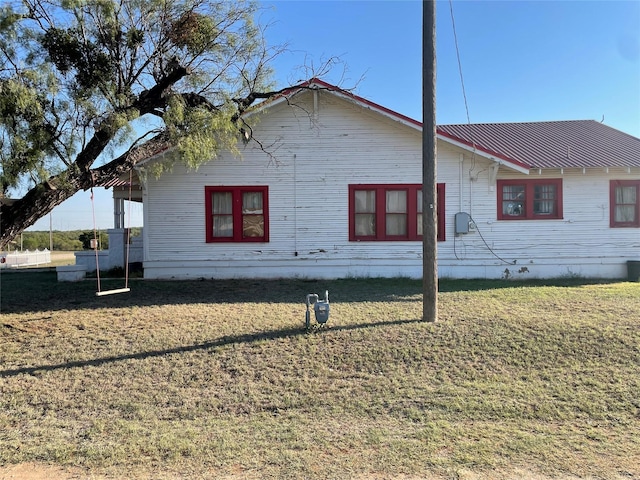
(557, 144)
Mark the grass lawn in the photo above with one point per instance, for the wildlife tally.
(59, 258)
(218, 379)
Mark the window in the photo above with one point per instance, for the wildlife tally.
(625, 203)
(529, 199)
(237, 214)
(389, 212)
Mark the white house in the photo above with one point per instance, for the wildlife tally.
(335, 191)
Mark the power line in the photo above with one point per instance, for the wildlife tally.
(464, 90)
(455, 40)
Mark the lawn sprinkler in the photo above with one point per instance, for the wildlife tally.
(320, 309)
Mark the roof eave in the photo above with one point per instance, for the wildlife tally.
(160, 154)
(317, 85)
(516, 165)
(386, 112)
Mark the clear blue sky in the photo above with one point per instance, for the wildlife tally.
(521, 61)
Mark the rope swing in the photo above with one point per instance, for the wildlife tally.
(126, 288)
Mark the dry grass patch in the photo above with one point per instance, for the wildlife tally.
(211, 379)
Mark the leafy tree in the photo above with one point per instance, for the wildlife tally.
(65, 240)
(34, 242)
(90, 87)
(85, 238)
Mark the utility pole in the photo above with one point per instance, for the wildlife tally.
(429, 152)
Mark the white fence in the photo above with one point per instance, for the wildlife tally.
(25, 259)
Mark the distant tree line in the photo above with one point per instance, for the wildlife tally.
(71, 241)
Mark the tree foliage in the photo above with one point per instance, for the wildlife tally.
(87, 239)
(90, 87)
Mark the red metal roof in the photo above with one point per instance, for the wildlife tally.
(560, 144)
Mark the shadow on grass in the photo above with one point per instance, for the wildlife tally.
(227, 340)
(40, 291)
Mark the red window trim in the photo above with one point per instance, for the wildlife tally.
(612, 203)
(412, 212)
(236, 192)
(529, 185)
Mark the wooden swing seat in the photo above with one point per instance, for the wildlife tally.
(112, 292)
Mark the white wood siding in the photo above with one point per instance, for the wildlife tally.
(316, 155)
(579, 244)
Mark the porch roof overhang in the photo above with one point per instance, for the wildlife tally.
(126, 187)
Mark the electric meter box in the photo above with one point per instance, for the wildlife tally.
(463, 219)
(321, 310)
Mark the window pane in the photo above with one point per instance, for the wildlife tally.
(365, 201)
(513, 200)
(252, 202)
(252, 226)
(513, 192)
(544, 199)
(365, 225)
(625, 210)
(419, 192)
(396, 201)
(625, 213)
(222, 218)
(396, 224)
(365, 209)
(626, 195)
(222, 203)
(396, 209)
(223, 226)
